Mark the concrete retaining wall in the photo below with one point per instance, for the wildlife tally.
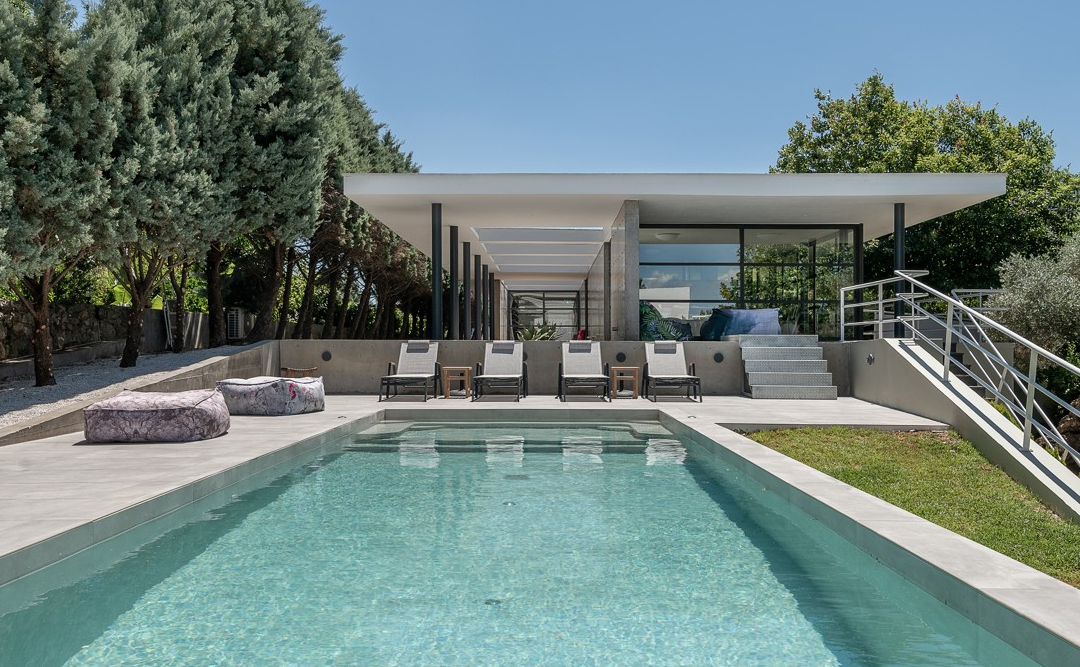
(355, 366)
(258, 359)
(900, 374)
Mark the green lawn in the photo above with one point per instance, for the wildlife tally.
(942, 478)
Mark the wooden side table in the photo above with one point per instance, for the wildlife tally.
(620, 374)
(462, 374)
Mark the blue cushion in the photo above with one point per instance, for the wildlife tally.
(736, 322)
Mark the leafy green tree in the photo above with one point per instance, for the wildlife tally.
(283, 81)
(163, 173)
(58, 121)
(873, 132)
(1038, 298)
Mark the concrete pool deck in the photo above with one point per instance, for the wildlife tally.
(61, 495)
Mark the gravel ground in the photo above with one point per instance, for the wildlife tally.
(20, 400)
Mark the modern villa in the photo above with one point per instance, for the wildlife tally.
(584, 251)
(529, 527)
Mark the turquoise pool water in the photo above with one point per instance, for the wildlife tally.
(496, 545)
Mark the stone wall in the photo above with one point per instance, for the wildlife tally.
(79, 324)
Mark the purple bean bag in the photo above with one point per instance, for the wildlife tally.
(133, 416)
(273, 395)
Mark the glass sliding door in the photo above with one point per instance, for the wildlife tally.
(686, 272)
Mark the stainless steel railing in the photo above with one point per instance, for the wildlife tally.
(971, 334)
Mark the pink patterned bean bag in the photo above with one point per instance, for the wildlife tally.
(273, 395)
(134, 416)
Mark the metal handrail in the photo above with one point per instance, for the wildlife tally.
(968, 326)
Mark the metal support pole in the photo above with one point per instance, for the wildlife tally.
(947, 357)
(491, 304)
(898, 264)
(479, 296)
(1029, 404)
(486, 308)
(466, 278)
(857, 246)
(455, 304)
(435, 326)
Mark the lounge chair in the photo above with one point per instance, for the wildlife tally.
(504, 366)
(666, 367)
(417, 365)
(581, 367)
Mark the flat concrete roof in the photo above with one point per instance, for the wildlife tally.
(532, 227)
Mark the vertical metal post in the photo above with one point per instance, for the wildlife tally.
(880, 311)
(454, 303)
(857, 247)
(491, 304)
(435, 326)
(478, 295)
(466, 278)
(843, 309)
(1029, 404)
(947, 356)
(486, 332)
(898, 264)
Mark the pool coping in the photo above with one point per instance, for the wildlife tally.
(1023, 607)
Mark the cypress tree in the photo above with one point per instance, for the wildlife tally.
(58, 120)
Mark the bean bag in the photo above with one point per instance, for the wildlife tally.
(136, 416)
(273, 395)
(736, 322)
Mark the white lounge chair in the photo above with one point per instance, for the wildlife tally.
(581, 367)
(417, 365)
(504, 366)
(666, 367)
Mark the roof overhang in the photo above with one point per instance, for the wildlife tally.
(534, 229)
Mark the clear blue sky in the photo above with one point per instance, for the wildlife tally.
(685, 86)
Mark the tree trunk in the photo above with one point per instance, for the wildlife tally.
(331, 304)
(363, 307)
(140, 274)
(36, 301)
(346, 298)
(179, 285)
(307, 304)
(380, 317)
(214, 300)
(286, 294)
(275, 254)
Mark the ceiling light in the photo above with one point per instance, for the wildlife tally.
(667, 236)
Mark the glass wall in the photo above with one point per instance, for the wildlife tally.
(686, 272)
(559, 309)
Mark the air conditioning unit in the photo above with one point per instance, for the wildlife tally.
(236, 324)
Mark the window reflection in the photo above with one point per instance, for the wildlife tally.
(686, 272)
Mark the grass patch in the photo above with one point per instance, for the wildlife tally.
(941, 478)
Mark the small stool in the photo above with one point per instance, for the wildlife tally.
(287, 372)
(620, 374)
(462, 374)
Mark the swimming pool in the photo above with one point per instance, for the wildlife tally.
(417, 544)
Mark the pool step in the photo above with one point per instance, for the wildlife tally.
(785, 367)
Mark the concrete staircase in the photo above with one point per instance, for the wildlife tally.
(785, 367)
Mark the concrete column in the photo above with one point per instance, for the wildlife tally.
(435, 326)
